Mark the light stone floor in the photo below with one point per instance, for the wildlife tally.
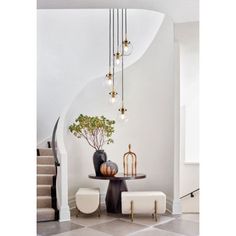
(119, 225)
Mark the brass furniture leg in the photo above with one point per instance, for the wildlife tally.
(155, 210)
(99, 207)
(77, 214)
(132, 211)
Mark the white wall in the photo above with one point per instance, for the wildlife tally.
(149, 96)
(73, 50)
(187, 35)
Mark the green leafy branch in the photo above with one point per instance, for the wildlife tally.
(95, 130)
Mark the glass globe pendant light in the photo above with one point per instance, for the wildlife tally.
(128, 47)
(122, 110)
(109, 74)
(117, 55)
(113, 93)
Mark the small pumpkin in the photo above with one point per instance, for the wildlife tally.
(108, 168)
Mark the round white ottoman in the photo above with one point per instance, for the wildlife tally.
(88, 200)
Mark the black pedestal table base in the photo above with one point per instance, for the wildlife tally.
(113, 197)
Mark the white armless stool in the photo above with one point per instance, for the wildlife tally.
(153, 202)
(88, 200)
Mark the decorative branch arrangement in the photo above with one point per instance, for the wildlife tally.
(95, 130)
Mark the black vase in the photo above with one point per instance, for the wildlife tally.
(99, 157)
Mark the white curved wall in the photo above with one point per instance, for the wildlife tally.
(149, 87)
(179, 10)
(73, 49)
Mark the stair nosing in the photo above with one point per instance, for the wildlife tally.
(48, 208)
(45, 165)
(44, 197)
(46, 156)
(44, 185)
(46, 175)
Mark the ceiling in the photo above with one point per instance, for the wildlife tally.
(179, 10)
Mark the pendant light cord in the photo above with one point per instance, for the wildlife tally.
(122, 55)
(117, 11)
(126, 24)
(109, 40)
(113, 48)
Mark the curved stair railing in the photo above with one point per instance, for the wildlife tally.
(54, 146)
(54, 190)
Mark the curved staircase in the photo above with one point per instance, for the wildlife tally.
(46, 185)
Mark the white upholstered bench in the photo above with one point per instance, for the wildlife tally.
(88, 200)
(153, 202)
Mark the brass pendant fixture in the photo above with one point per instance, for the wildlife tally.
(113, 93)
(122, 110)
(128, 47)
(117, 55)
(123, 48)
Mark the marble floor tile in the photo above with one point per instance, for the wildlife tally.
(148, 220)
(191, 217)
(155, 232)
(91, 220)
(118, 227)
(185, 227)
(55, 227)
(83, 232)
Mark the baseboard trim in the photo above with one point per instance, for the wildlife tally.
(64, 214)
(173, 206)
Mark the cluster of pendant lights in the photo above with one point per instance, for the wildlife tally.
(119, 47)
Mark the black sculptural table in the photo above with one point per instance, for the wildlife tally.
(116, 185)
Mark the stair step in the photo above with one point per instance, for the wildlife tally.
(44, 190)
(45, 179)
(46, 169)
(45, 214)
(45, 152)
(44, 202)
(45, 160)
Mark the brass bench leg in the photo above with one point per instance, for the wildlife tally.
(99, 207)
(78, 213)
(132, 211)
(155, 210)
